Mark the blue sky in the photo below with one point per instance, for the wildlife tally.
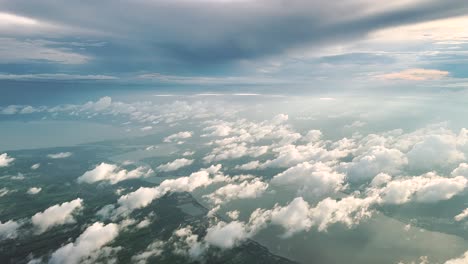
(345, 44)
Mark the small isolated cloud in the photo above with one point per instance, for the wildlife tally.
(60, 155)
(56, 215)
(234, 215)
(152, 250)
(5, 160)
(177, 136)
(174, 165)
(415, 75)
(462, 215)
(113, 174)
(4, 191)
(356, 124)
(86, 245)
(188, 153)
(8, 230)
(249, 166)
(34, 190)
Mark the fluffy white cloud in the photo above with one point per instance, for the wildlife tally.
(348, 211)
(234, 151)
(461, 170)
(299, 216)
(244, 134)
(435, 151)
(294, 217)
(315, 179)
(188, 153)
(60, 155)
(174, 165)
(8, 230)
(375, 160)
(86, 245)
(113, 174)
(289, 155)
(234, 215)
(226, 235)
(144, 223)
(461, 260)
(5, 160)
(380, 179)
(313, 136)
(100, 105)
(56, 215)
(145, 195)
(280, 118)
(218, 130)
(188, 244)
(249, 165)
(426, 188)
(34, 190)
(177, 136)
(243, 190)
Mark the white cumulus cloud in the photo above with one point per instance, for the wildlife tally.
(177, 136)
(174, 165)
(113, 174)
(5, 160)
(58, 214)
(86, 245)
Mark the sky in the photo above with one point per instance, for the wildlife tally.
(350, 44)
(304, 115)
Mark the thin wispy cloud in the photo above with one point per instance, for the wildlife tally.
(415, 75)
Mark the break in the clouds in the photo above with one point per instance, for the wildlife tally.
(231, 42)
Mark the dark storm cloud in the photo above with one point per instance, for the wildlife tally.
(155, 34)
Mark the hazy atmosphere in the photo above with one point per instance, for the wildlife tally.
(234, 131)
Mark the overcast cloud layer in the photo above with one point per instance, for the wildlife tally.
(228, 42)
